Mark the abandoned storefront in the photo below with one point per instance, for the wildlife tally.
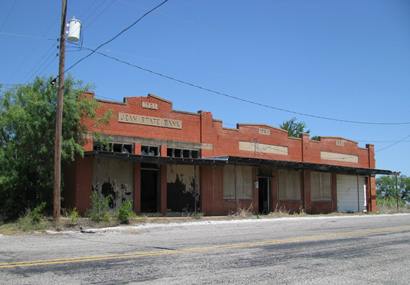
(167, 161)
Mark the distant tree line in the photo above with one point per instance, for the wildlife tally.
(386, 187)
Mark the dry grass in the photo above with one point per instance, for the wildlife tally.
(283, 212)
(389, 205)
(244, 212)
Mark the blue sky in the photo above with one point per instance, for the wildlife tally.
(347, 59)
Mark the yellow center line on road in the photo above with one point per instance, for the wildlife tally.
(204, 249)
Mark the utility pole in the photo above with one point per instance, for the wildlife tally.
(397, 192)
(59, 119)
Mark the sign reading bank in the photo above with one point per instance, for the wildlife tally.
(149, 121)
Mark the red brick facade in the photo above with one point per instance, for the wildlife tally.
(204, 132)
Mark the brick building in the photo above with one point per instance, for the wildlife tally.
(165, 160)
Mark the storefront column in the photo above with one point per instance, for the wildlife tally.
(371, 185)
(334, 191)
(137, 187)
(83, 183)
(163, 189)
(307, 200)
(255, 190)
(274, 195)
(163, 150)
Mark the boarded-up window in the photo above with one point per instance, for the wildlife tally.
(320, 186)
(243, 183)
(289, 184)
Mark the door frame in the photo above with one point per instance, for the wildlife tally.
(157, 170)
(268, 193)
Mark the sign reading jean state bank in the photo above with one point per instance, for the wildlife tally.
(149, 121)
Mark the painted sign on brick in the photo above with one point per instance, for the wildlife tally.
(149, 121)
(339, 157)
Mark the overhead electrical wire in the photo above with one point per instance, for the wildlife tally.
(224, 94)
(45, 60)
(393, 144)
(88, 23)
(116, 36)
(8, 15)
(25, 36)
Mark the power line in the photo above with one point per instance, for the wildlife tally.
(8, 14)
(234, 126)
(220, 93)
(45, 59)
(404, 139)
(393, 144)
(25, 36)
(96, 16)
(116, 36)
(379, 141)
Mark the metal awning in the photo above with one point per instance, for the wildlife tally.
(224, 160)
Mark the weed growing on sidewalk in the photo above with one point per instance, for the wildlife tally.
(125, 212)
(99, 211)
(33, 220)
(74, 216)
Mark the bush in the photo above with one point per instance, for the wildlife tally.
(125, 212)
(36, 215)
(99, 211)
(73, 216)
(197, 215)
(33, 219)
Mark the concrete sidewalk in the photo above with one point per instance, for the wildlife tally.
(168, 222)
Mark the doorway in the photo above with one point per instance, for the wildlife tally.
(149, 188)
(264, 187)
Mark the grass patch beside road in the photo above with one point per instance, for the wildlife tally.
(390, 205)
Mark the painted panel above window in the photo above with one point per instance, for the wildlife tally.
(339, 157)
(263, 148)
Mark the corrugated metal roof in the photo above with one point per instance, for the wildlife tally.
(223, 160)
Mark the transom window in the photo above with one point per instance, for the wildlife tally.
(182, 153)
(114, 147)
(148, 150)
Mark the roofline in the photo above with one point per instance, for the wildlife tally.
(261, 125)
(338, 138)
(159, 98)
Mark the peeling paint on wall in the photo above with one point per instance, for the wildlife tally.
(183, 188)
(113, 178)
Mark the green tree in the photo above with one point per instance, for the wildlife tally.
(27, 123)
(294, 127)
(386, 187)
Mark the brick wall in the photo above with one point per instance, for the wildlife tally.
(202, 129)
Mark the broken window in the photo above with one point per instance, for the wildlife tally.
(114, 147)
(149, 150)
(186, 153)
(194, 153)
(182, 153)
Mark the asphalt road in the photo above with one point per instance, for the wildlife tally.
(330, 250)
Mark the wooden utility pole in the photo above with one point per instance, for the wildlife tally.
(397, 192)
(59, 119)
